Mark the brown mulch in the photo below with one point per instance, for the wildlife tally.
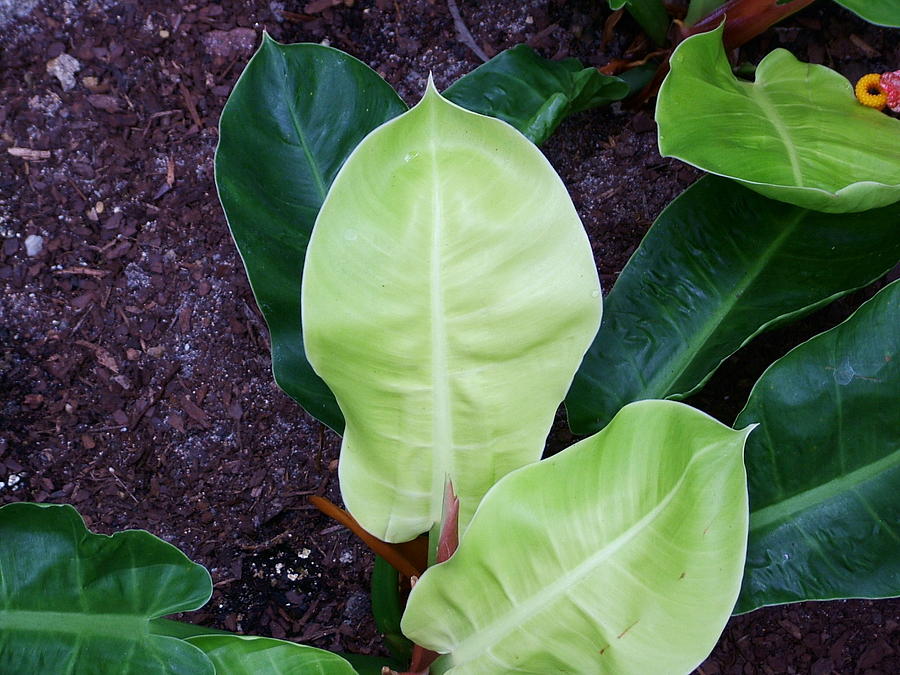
(135, 376)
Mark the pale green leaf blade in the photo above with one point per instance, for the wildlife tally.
(76, 602)
(796, 134)
(622, 554)
(824, 467)
(449, 295)
(720, 265)
(880, 12)
(294, 116)
(249, 655)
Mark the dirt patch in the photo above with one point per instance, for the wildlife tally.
(135, 370)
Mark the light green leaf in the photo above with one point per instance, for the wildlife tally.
(622, 554)
(247, 655)
(294, 116)
(720, 265)
(796, 134)
(824, 467)
(448, 296)
(881, 12)
(362, 664)
(76, 602)
(532, 93)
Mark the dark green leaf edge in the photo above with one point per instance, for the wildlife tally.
(291, 368)
(534, 94)
(576, 416)
(888, 294)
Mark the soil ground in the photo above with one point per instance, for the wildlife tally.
(135, 377)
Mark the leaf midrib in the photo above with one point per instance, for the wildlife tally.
(485, 637)
(314, 169)
(442, 427)
(761, 97)
(685, 360)
(787, 508)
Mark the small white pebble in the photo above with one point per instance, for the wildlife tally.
(34, 244)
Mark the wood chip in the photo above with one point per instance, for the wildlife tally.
(104, 102)
(864, 46)
(29, 155)
(184, 318)
(83, 271)
(195, 412)
(104, 358)
(317, 6)
(191, 106)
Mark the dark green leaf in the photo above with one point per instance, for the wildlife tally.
(532, 93)
(388, 609)
(720, 265)
(824, 466)
(639, 77)
(77, 602)
(650, 14)
(293, 118)
(372, 665)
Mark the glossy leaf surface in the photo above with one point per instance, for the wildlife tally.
(77, 602)
(247, 655)
(824, 467)
(622, 554)
(720, 265)
(796, 134)
(448, 297)
(532, 93)
(294, 116)
(881, 12)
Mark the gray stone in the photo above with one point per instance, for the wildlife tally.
(34, 244)
(63, 68)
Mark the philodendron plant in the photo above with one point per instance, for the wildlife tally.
(448, 299)
(449, 294)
